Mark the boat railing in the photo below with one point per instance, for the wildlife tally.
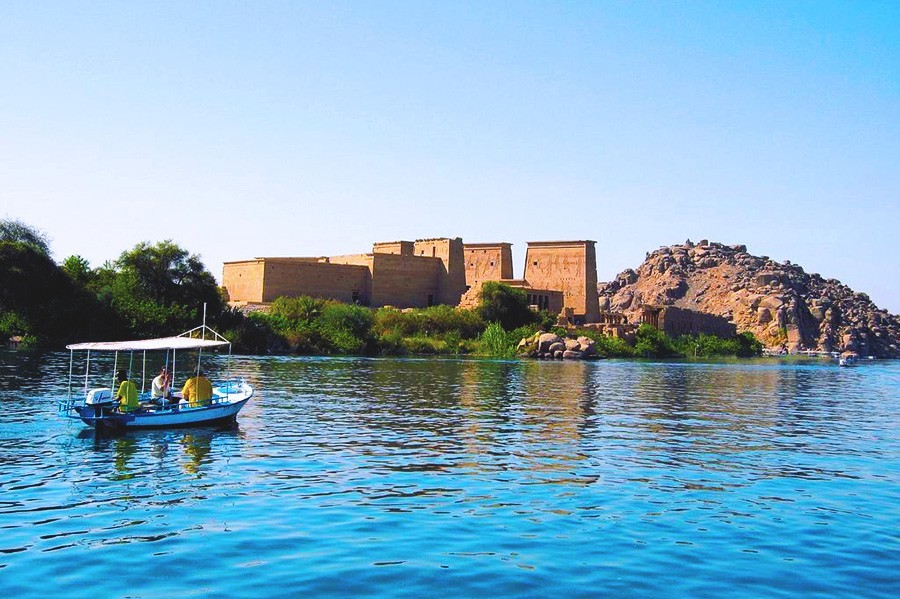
(222, 392)
(66, 407)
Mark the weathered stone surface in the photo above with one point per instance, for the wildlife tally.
(546, 340)
(778, 302)
(558, 348)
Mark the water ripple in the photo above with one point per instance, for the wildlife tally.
(406, 477)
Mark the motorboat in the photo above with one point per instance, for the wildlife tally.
(98, 408)
(848, 358)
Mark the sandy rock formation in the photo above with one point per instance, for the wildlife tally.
(551, 346)
(778, 302)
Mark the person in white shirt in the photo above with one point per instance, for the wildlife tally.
(161, 388)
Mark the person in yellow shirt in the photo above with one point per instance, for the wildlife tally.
(127, 393)
(197, 390)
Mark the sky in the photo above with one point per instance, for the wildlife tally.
(243, 129)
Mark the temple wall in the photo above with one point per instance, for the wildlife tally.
(487, 262)
(569, 266)
(244, 280)
(680, 321)
(405, 248)
(452, 284)
(344, 282)
(425, 272)
(406, 281)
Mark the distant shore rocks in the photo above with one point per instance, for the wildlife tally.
(783, 305)
(550, 346)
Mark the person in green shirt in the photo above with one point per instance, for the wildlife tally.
(127, 393)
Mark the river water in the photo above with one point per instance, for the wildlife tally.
(463, 478)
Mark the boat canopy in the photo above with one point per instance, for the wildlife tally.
(193, 339)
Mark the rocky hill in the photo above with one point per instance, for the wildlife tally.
(779, 302)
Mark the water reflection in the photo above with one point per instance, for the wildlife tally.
(359, 469)
(197, 447)
(124, 449)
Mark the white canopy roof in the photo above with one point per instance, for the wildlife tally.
(183, 341)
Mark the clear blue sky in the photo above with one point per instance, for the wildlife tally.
(293, 129)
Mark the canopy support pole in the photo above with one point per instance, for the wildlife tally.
(144, 373)
(87, 368)
(115, 368)
(203, 338)
(71, 358)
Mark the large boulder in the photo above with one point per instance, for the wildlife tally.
(546, 340)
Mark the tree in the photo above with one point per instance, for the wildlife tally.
(166, 274)
(506, 305)
(78, 269)
(12, 231)
(161, 288)
(38, 300)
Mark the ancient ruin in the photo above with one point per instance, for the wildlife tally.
(562, 276)
(559, 276)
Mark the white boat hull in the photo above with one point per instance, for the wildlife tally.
(226, 403)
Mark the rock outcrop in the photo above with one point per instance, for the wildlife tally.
(549, 346)
(778, 302)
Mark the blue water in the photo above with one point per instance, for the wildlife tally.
(359, 477)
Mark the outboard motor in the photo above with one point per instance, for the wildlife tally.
(99, 397)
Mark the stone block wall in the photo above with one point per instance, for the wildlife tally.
(405, 248)
(487, 262)
(243, 280)
(344, 282)
(681, 321)
(569, 266)
(452, 284)
(406, 281)
(423, 273)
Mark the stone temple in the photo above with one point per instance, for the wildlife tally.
(559, 276)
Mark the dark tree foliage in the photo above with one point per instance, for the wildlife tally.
(151, 290)
(15, 231)
(41, 303)
(506, 305)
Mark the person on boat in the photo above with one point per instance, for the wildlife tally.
(127, 393)
(197, 390)
(161, 388)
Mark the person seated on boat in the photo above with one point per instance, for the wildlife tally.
(197, 390)
(161, 388)
(127, 393)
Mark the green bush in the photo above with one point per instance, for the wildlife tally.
(303, 308)
(506, 305)
(390, 343)
(748, 345)
(650, 342)
(613, 347)
(423, 345)
(345, 328)
(744, 345)
(432, 321)
(497, 342)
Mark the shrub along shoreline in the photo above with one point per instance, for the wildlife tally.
(161, 289)
(310, 326)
